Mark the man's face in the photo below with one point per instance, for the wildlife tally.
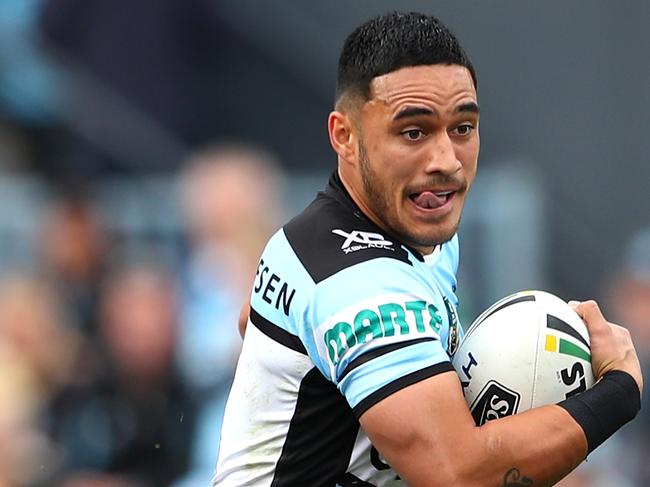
(418, 147)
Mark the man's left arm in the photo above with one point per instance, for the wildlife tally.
(243, 316)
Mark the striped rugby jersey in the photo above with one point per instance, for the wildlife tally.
(342, 315)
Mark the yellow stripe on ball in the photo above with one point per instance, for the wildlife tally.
(551, 343)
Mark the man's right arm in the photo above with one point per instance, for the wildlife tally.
(428, 435)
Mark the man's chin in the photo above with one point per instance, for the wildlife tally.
(430, 234)
(430, 240)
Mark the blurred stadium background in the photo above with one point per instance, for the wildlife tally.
(147, 149)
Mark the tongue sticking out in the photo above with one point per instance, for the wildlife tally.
(429, 200)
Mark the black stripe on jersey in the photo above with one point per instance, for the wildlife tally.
(332, 234)
(557, 324)
(401, 383)
(321, 436)
(349, 480)
(276, 333)
(378, 352)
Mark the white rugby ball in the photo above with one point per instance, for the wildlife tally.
(528, 349)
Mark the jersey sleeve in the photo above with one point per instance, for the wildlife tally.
(377, 329)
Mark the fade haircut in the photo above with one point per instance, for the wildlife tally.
(392, 41)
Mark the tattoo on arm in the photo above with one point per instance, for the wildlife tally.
(513, 478)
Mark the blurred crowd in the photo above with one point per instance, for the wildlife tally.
(114, 368)
(115, 358)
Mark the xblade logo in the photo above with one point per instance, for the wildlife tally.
(495, 401)
(363, 240)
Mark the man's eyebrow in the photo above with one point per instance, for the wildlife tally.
(468, 107)
(411, 111)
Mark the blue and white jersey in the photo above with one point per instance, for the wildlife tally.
(342, 315)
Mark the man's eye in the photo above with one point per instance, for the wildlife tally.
(413, 134)
(464, 129)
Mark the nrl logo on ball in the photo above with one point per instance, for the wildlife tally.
(494, 401)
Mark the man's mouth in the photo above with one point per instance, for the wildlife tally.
(430, 200)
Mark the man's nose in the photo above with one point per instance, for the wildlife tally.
(443, 155)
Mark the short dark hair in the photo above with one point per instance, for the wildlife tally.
(392, 41)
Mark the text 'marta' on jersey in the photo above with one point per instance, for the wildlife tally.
(342, 315)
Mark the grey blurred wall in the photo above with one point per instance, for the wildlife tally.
(563, 85)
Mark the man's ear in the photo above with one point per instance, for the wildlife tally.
(342, 136)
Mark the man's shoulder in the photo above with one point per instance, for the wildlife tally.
(328, 237)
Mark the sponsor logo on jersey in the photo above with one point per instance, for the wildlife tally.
(385, 320)
(273, 289)
(493, 402)
(358, 240)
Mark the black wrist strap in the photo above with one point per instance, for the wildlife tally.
(603, 409)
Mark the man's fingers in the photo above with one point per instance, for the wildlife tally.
(575, 305)
(589, 311)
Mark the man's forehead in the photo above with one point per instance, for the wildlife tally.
(436, 79)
